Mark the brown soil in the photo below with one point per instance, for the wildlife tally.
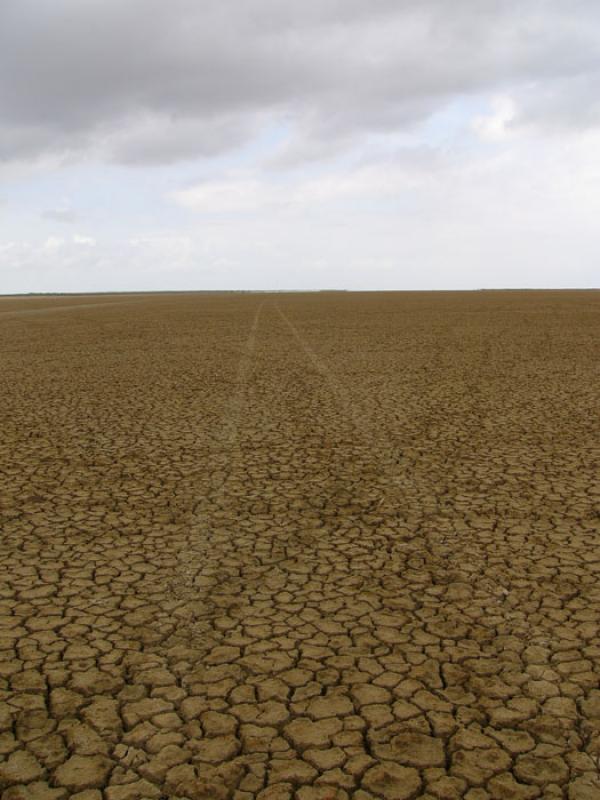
(316, 547)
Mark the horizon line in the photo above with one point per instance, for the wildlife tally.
(299, 291)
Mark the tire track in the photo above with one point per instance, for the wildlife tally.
(371, 431)
(193, 574)
(439, 552)
(444, 555)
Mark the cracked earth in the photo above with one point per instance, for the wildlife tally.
(300, 547)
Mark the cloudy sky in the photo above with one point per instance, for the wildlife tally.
(286, 144)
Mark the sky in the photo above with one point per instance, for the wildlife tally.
(314, 144)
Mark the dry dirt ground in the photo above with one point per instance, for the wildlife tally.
(316, 547)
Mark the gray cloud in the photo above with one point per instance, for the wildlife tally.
(161, 139)
(146, 81)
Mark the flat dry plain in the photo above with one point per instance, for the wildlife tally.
(310, 546)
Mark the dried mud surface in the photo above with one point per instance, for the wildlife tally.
(308, 547)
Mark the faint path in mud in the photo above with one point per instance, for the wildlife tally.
(193, 568)
(448, 554)
(243, 372)
(375, 434)
(372, 431)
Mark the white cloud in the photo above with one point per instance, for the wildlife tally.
(495, 126)
(53, 243)
(226, 196)
(256, 192)
(87, 241)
